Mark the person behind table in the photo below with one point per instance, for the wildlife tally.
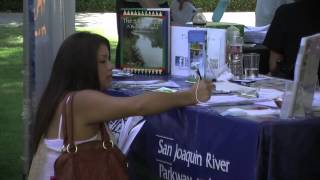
(134, 4)
(290, 23)
(83, 65)
(265, 10)
(182, 11)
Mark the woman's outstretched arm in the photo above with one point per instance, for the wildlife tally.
(93, 107)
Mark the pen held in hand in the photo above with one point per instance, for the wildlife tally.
(198, 72)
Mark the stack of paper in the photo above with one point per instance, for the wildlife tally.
(255, 34)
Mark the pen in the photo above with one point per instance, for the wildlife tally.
(198, 72)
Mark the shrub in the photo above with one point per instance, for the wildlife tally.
(11, 5)
(95, 5)
(235, 5)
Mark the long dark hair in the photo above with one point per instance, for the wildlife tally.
(75, 68)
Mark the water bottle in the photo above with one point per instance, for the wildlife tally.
(234, 58)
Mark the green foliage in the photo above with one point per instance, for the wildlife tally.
(11, 5)
(242, 5)
(235, 5)
(109, 5)
(95, 5)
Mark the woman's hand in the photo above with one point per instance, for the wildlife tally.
(202, 90)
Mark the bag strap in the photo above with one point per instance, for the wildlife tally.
(67, 114)
(105, 135)
(68, 120)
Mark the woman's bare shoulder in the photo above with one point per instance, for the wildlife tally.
(88, 94)
(89, 98)
(95, 106)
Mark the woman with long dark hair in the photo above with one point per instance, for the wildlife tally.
(83, 65)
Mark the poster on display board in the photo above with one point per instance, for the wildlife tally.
(215, 51)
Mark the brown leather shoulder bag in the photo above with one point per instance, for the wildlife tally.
(98, 160)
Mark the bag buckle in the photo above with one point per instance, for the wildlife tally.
(104, 144)
(72, 147)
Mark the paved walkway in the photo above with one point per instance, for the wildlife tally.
(108, 22)
(10, 19)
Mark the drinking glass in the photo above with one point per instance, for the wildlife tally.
(251, 65)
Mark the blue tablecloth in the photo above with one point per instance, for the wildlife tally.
(289, 150)
(197, 143)
(191, 143)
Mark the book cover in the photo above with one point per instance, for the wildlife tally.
(197, 40)
(298, 98)
(144, 40)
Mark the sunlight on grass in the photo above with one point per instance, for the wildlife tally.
(113, 45)
(10, 36)
(5, 52)
(11, 41)
(11, 85)
(2, 63)
(97, 30)
(100, 31)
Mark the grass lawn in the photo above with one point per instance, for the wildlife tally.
(11, 94)
(10, 102)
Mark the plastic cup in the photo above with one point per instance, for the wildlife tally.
(286, 110)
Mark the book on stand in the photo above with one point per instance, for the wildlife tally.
(144, 40)
(297, 101)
